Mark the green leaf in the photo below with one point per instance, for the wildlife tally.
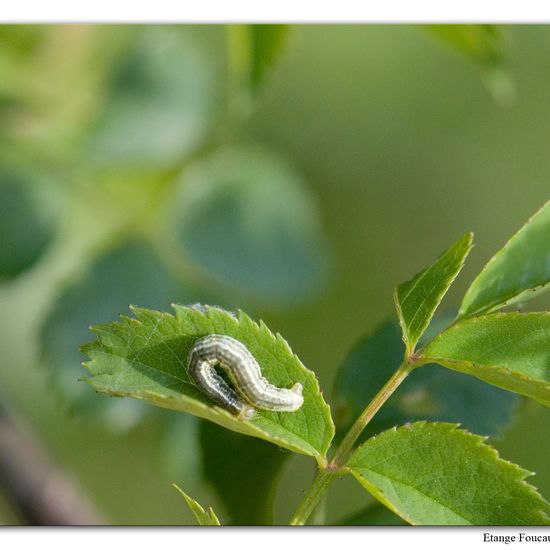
(428, 393)
(129, 272)
(244, 472)
(18, 43)
(146, 358)
(373, 514)
(482, 44)
(31, 57)
(246, 216)
(509, 350)
(159, 100)
(27, 218)
(417, 299)
(203, 518)
(253, 51)
(267, 43)
(437, 474)
(518, 272)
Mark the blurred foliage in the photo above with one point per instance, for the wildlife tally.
(484, 45)
(252, 53)
(130, 126)
(154, 164)
(158, 103)
(127, 274)
(266, 44)
(245, 215)
(229, 458)
(27, 218)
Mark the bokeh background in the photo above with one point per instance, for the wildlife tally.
(298, 173)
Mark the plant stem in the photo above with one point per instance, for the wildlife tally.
(319, 515)
(312, 497)
(372, 408)
(325, 476)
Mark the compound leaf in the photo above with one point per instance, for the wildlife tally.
(428, 393)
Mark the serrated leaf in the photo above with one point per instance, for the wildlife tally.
(437, 474)
(247, 216)
(203, 518)
(243, 471)
(146, 358)
(509, 350)
(518, 272)
(417, 299)
(428, 393)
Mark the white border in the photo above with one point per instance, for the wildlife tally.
(256, 11)
(281, 11)
(425, 538)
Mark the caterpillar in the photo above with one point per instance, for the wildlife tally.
(252, 391)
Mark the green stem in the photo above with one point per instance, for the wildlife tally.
(335, 468)
(312, 497)
(319, 514)
(372, 408)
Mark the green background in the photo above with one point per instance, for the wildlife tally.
(402, 149)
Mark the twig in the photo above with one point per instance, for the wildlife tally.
(43, 494)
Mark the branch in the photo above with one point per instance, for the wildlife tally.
(42, 492)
